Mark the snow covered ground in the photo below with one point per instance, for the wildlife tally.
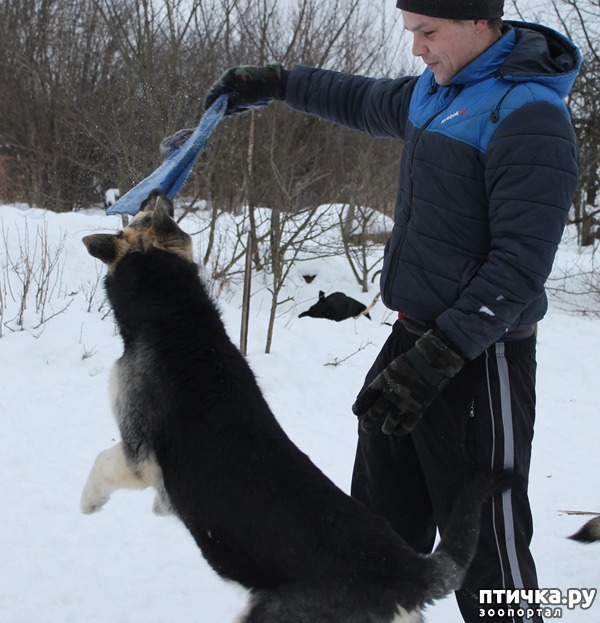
(125, 565)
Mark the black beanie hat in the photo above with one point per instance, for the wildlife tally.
(454, 9)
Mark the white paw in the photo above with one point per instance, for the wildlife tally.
(92, 502)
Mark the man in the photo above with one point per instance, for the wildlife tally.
(488, 173)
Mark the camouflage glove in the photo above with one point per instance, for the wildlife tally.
(248, 86)
(400, 394)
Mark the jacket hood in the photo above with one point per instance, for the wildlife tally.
(542, 55)
(527, 53)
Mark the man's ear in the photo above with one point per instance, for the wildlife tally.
(480, 25)
(102, 246)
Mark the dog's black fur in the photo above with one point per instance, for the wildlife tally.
(589, 532)
(195, 425)
(337, 306)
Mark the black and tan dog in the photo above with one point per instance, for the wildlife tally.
(195, 426)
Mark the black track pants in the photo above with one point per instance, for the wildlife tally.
(482, 420)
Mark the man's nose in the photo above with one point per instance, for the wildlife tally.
(418, 47)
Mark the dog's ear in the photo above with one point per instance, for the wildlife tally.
(169, 235)
(102, 246)
(154, 199)
(164, 225)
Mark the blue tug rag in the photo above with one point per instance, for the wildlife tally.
(175, 168)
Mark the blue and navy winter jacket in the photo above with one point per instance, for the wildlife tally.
(487, 176)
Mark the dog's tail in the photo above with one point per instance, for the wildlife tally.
(589, 532)
(451, 559)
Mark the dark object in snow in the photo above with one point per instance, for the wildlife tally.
(336, 306)
(589, 533)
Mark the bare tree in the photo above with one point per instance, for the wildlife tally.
(581, 21)
(92, 86)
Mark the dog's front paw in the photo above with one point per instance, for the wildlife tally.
(92, 502)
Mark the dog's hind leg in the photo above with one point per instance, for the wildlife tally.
(112, 471)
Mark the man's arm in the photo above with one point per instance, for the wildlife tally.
(377, 106)
(531, 177)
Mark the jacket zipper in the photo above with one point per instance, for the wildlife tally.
(458, 89)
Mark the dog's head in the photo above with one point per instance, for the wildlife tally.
(153, 227)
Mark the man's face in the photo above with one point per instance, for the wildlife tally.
(446, 46)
